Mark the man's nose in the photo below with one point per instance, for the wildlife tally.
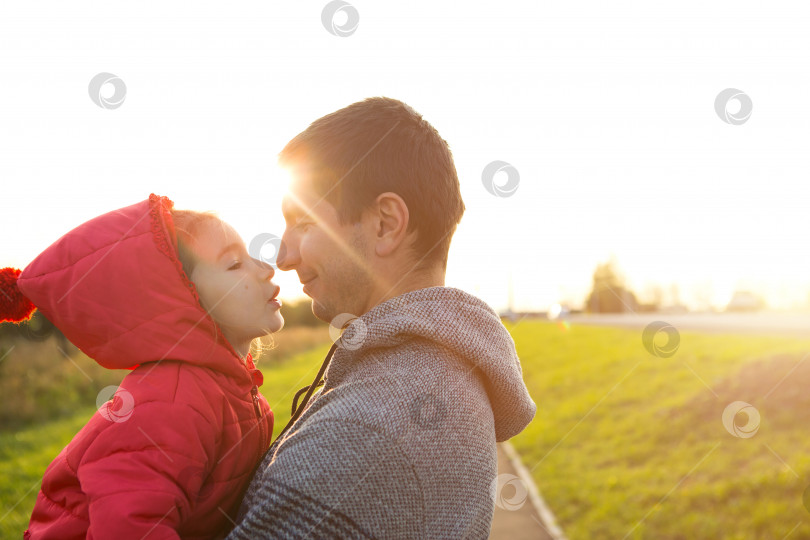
(287, 256)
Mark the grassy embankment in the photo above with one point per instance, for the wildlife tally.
(626, 444)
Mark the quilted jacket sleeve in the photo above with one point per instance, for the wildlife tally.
(141, 472)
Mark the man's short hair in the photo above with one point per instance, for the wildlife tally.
(382, 145)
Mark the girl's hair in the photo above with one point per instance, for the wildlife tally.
(187, 224)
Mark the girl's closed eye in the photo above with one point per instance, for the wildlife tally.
(235, 265)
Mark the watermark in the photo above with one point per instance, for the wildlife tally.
(506, 188)
(99, 94)
(428, 411)
(725, 98)
(751, 426)
(509, 492)
(115, 404)
(668, 349)
(37, 328)
(348, 331)
(330, 14)
(265, 247)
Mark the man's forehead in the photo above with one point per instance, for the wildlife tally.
(290, 204)
(300, 197)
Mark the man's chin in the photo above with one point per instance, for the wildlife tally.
(321, 312)
(308, 286)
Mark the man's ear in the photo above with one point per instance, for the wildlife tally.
(391, 220)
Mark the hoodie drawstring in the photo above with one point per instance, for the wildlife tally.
(309, 389)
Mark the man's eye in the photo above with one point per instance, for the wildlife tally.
(304, 225)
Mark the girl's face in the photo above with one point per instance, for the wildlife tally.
(234, 288)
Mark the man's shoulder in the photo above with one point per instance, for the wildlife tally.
(337, 478)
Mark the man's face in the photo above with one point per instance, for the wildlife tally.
(331, 259)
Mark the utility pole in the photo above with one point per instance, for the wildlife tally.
(511, 299)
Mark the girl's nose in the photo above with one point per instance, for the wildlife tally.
(266, 270)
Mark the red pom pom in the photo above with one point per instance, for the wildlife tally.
(14, 306)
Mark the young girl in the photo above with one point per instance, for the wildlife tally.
(174, 297)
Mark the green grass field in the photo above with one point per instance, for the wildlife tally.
(629, 445)
(624, 444)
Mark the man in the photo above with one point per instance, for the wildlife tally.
(400, 442)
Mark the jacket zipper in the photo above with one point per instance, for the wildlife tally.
(256, 407)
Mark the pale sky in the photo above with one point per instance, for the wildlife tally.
(606, 110)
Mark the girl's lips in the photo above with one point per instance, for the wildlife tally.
(274, 299)
(275, 293)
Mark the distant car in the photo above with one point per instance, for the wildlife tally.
(558, 311)
(745, 301)
(674, 309)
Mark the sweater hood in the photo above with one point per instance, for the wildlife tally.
(463, 325)
(115, 287)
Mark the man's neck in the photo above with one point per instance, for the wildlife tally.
(408, 283)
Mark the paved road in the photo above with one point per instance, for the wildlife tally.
(775, 323)
(520, 524)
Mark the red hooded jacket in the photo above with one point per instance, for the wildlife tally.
(172, 453)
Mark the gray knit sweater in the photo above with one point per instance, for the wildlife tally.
(400, 442)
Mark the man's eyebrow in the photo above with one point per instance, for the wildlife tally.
(233, 246)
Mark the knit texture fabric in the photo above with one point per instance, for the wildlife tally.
(400, 442)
